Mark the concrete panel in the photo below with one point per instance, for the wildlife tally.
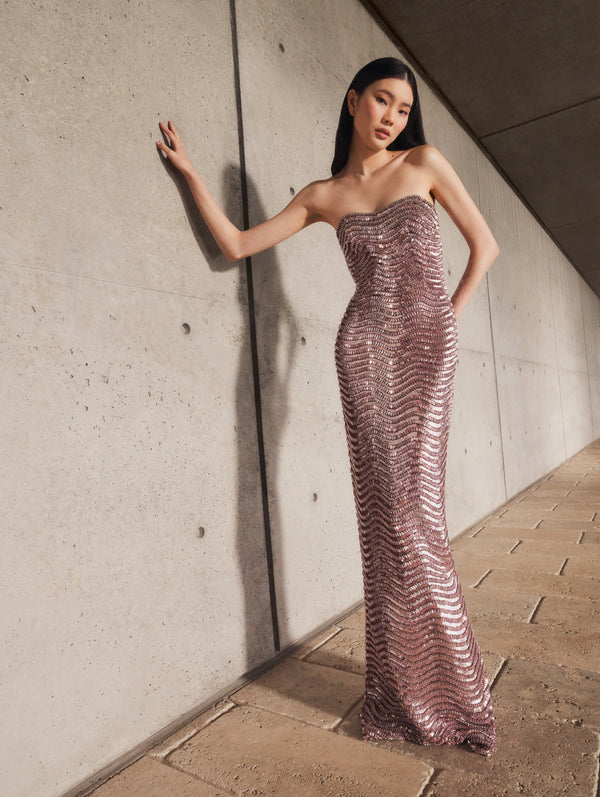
(117, 618)
(572, 355)
(85, 86)
(566, 285)
(519, 282)
(590, 304)
(475, 477)
(122, 434)
(340, 48)
(532, 424)
(442, 130)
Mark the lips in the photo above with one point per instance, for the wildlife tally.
(383, 132)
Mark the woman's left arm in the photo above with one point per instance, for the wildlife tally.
(448, 189)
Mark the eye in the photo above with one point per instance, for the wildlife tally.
(380, 99)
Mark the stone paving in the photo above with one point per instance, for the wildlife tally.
(531, 577)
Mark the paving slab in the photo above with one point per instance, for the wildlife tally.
(492, 664)
(176, 739)
(578, 566)
(150, 778)
(588, 493)
(568, 647)
(524, 516)
(485, 545)
(559, 524)
(544, 491)
(536, 535)
(534, 756)
(344, 651)
(529, 562)
(304, 691)
(569, 612)
(522, 522)
(541, 583)
(559, 547)
(354, 620)
(252, 751)
(516, 606)
(470, 573)
(303, 651)
(546, 690)
(577, 497)
(570, 512)
(590, 538)
(532, 502)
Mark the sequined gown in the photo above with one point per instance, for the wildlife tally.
(396, 354)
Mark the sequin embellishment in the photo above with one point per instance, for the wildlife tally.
(396, 354)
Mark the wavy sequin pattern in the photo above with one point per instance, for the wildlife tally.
(396, 354)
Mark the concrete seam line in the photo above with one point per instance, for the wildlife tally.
(252, 331)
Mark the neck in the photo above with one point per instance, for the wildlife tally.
(364, 161)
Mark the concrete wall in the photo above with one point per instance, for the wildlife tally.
(123, 435)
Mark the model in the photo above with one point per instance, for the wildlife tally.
(396, 354)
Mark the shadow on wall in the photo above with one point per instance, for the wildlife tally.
(278, 337)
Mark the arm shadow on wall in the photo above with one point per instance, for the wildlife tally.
(278, 338)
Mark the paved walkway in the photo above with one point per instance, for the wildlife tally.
(531, 577)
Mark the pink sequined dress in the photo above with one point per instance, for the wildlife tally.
(396, 354)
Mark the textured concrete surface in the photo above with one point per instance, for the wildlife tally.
(123, 432)
(295, 729)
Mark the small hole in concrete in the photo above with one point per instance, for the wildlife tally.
(303, 341)
(200, 532)
(315, 497)
(281, 47)
(292, 190)
(186, 329)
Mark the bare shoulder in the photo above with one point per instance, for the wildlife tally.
(443, 179)
(426, 155)
(318, 197)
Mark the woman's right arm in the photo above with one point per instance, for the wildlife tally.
(237, 244)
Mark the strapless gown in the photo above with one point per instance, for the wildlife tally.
(396, 353)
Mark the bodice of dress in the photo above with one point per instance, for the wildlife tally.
(397, 248)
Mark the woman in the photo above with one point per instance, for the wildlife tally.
(396, 354)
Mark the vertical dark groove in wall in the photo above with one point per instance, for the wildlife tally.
(252, 330)
(489, 299)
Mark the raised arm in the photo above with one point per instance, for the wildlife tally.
(235, 243)
(456, 200)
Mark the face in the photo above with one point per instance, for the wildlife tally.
(381, 111)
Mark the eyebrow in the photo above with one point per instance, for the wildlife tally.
(389, 93)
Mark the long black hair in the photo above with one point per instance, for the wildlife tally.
(381, 68)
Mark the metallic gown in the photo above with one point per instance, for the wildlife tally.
(396, 354)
